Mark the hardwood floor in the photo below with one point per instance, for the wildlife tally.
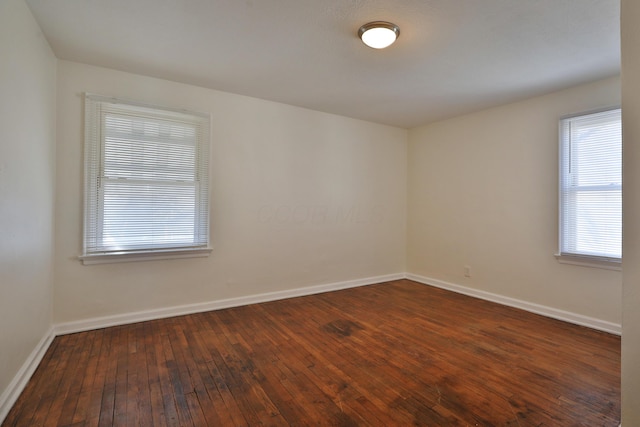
(398, 353)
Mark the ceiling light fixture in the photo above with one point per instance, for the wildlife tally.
(379, 34)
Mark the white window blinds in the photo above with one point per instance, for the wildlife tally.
(146, 178)
(591, 185)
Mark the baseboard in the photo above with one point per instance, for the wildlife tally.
(554, 313)
(141, 316)
(19, 382)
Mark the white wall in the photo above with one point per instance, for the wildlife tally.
(483, 192)
(299, 198)
(631, 205)
(27, 178)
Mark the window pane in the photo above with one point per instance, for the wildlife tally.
(148, 152)
(598, 223)
(147, 215)
(596, 153)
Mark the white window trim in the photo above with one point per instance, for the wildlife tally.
(593, 262)
(115, 257)
(578, 259)
(144, 254)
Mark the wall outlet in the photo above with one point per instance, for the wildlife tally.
(467, 271)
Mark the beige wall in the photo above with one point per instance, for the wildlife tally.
(631, 206)
(299, 198)
(483, 193)
(27, 178)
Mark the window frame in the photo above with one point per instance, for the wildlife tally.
(94, 250)
(580, 259)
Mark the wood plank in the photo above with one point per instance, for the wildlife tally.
(88, 378)
(168, 401)
(172, 379)
(157, 416)
(115, 412)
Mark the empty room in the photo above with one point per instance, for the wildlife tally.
(331, 212)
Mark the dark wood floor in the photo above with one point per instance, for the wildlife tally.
(398, 353)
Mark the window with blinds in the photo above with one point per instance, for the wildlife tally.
(146, 179)
(591, 186)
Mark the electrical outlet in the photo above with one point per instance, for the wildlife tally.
(467, 271)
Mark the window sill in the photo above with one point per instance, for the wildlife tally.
(587, 261)
(114, 257)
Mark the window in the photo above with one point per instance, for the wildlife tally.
(146, 182)
(591, 187)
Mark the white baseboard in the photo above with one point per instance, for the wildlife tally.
(19, 382)
(554, 313)
(140, 316)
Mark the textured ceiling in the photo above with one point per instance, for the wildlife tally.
(452, 57)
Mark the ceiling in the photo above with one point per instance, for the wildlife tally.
(452, 56)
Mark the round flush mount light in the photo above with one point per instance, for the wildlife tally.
(379, 34)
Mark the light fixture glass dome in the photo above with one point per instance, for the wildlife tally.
(379, 34)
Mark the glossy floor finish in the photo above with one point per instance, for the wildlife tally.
(398, 353)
